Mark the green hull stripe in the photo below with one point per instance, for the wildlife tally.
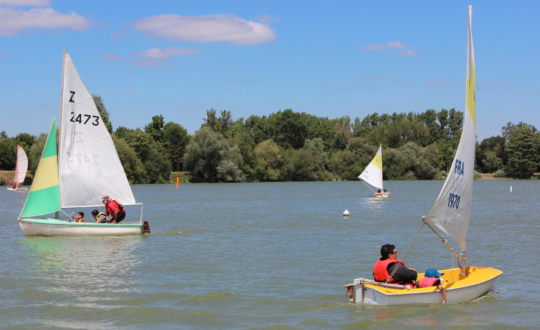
(50, 148)
(42, 201)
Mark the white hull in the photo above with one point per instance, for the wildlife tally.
(18, 189)
(60, 228)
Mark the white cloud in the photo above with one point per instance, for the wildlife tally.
(110, 57)
(408, 53)
(13, 22)
(151, 56)
(24, 3)
(209, 28)
(390, 44)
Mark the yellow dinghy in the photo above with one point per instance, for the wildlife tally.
(450, 214)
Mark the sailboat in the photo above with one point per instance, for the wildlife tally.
(373, 175)
(450, 214)
(20, 169)
(86, 168)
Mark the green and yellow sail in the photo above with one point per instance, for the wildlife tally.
(44, 195)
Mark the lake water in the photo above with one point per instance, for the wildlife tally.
(270, 256)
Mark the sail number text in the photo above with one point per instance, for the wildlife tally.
(459, 169)
(79, 119)
(453, 201)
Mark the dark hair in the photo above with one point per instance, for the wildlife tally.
(386, 250)
(379, 190)
(81, 214)
(95, 212)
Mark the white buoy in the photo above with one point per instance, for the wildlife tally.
(346, 213)
(510, 188)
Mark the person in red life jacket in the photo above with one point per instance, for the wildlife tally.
(14, 185)
(387, 264)
(114, 209)
(80, 217)
(431, 278)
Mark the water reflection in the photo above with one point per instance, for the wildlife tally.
(82, 265)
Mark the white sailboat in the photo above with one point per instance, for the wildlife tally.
(88, 168)
(450, 214)
(373, 175)
(21, 168)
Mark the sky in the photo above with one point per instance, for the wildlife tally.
(326, 58)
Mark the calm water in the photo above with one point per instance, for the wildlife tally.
(267, 255)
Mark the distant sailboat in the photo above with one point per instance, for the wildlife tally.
(451, 214)
(373, 175)
(87, 169)
(20, 169)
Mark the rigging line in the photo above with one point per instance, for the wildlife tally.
(407, 251)
(368, 186)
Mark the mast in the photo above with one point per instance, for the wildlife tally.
(61, 119)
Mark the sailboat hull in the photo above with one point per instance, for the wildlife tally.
(18, 189)
(54, 227)
(478, 282)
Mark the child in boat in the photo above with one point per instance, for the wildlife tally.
(99, 216)
(80, 217)
(431, 278)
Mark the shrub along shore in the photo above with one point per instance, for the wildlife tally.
(292, 146)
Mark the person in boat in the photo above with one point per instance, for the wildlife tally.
(14, 185)
(389, 265)
(431, 278)
(19, 185)
(100, 217)
(385, 192)
(114, 209)
(80, 217)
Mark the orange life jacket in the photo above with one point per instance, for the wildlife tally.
(380, 271)
(426, 282)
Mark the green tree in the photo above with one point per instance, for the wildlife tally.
(520, 148)
(8, 153)
(271, 160)
(25, 140)
(34, 155)
(132, 164)
(155, 128)
(210, 158)
(220, 125)
(176, 139)
(103, 112)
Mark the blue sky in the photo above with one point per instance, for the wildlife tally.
(327, 58)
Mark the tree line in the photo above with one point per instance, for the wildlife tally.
(293, 146)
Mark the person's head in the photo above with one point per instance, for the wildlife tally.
(106, 199)
(388, 251)
(95, 213)
(80, 215)
(384, 190)
(433, 273)
(379, 191)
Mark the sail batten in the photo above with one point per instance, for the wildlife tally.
(452, 210)
(89, 164)
(373, 173)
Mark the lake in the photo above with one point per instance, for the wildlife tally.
(270, 256)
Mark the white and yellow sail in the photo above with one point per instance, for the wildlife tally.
(452, 210)
(373, 173)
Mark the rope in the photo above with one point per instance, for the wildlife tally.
(407, 251)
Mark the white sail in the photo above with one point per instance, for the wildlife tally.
(89, 164)
(452, 210)
(22, 165)
(373, 172)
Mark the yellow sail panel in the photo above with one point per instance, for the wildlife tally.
(46, 174)
(377, 161)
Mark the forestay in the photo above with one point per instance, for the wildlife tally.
(22, 165)
(89, 164)
(452, 210)
(373, 173)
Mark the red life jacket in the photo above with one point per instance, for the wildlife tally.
(426, 282)
(380, 271)
(120, 206)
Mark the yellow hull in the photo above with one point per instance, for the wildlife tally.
(477, 282)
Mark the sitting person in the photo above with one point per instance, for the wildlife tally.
(80, 217)
(14, 185)
(431, 278)
(114, 209)
(385, 192)
(99, 216)
(387, 264)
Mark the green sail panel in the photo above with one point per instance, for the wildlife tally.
(44, 196)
